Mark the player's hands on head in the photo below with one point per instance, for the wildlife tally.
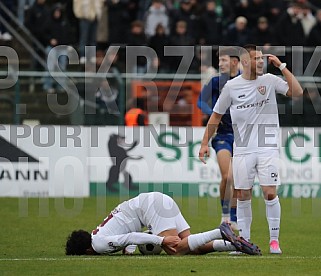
(273, 59)
(170, 242)
(204, 153)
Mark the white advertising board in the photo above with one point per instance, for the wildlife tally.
(60, 161)
(43, 161)
(170, 156)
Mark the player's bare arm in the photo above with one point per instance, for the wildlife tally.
(211, 128)
(170, 242)
(295, 89)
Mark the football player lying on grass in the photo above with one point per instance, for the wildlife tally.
(161, 215)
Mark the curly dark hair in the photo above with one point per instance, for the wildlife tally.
(78, 242)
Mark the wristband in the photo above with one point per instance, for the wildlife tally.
(282, 66)
(161, 240)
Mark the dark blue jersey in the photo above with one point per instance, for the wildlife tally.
(208, 98)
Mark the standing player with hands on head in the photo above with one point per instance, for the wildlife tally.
(223, 140)
(251, 98)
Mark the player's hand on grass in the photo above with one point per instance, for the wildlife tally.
(129, 249)
(170, 242)
(204, 153)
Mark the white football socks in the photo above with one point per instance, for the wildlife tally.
(222, 246)
(244, 218)
(273, 216)
(197, 240)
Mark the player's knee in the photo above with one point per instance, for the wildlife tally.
(244, 194)
(270, 196)
(224, 178)
(269, 192)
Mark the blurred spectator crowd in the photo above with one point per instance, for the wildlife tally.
(159, 23)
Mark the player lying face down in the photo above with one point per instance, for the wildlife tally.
(161, 215)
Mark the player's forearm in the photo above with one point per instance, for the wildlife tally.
(295, 89)
(205, 107)
(205, 97)
(209, 132)
(211, 127)
(141, 238)
(109, 244)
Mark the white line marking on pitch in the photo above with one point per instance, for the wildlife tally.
(157, 257)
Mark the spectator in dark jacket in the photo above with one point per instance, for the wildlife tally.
(262, 34)
(181, 38)
(290, 24)
(118, 21)
(38, 15)
(252, 10)
(56, 35)
(238, 33)
(211, 26)
(189, 13)
(229, 10)
(158, 42)
(275, 9)
(137, 38)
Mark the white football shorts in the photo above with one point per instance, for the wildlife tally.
(164, 214)
(264, 165)
(157, 211)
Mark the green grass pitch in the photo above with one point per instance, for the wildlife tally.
(33, 234)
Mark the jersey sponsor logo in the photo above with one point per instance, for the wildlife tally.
(262, 89)
(257, 104)
(241, 96)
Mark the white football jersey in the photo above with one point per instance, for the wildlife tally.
(156, 211)
(254, 111)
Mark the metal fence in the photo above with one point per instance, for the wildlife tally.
(86, 103)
